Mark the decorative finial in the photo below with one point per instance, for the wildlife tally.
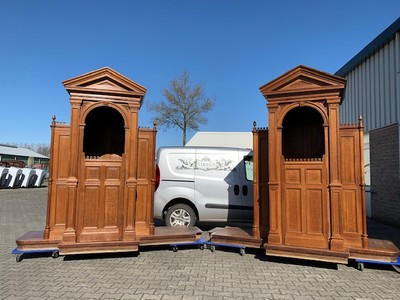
(360, 122)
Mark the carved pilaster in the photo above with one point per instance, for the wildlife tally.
(46, 233)
(274, 185)
(364, 234)
(256, 193)
(72, 181)
(131, 148)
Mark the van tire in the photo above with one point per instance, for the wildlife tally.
(180, 215)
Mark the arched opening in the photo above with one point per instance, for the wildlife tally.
(303, 134)
(104, 132)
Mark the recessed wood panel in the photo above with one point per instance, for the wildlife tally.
(113, 172)
(315, 218)
(348, 160)
(92, 172)
(112, 196)
(143, 163)
(313, 176)
(293, 176)
(293, 210)
(61, 199)
(349, 211)
(90, 206)
(63, 155)
(141, 205)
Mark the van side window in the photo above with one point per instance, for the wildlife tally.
(248, 166)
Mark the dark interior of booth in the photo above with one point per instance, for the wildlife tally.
(303, 134)
(104, 132)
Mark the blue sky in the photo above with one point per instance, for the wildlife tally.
(232, 47)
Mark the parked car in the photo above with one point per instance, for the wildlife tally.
(203, 184)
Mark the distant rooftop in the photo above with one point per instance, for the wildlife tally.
(380, 41)
(222, 139)
(18, 151)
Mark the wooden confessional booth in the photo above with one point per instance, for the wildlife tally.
(309, 185)
(102, 172)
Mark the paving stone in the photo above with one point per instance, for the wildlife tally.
(159, 273)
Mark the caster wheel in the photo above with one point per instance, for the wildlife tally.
(175, 249)
(360, 266)
(212, 248)
(397, 268)
(242, 251)
(18, 258)
(202, 247)
(55, 254)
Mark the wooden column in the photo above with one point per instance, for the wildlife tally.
(335, 186)
(50, 210)
(153, 183)
(72, 181)
(256, 193)
(274, 186)
(130, 194)
(364, 235)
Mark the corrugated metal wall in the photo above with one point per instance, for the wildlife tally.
(373, 89)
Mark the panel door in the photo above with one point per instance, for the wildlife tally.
(99, 203)
(304, 207)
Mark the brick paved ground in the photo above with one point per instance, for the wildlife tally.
(162, 274)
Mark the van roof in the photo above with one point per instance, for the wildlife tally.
(204, 147)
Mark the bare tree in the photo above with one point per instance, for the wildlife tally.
(43, 149)
(184, 107)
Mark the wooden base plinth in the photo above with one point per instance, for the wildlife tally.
(33, 240)
(234, 236)
(98, 247)
(306, 253)
(170, 235)
(378, 250)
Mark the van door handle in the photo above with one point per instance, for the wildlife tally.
(236, 189)
(244, 190)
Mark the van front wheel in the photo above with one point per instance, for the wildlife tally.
(180, 215)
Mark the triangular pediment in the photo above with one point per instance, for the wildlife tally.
(105, 79)
(302, 79)
(301, 83)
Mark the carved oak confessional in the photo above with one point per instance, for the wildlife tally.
(309, 190)
(309, 173)
(101, 185)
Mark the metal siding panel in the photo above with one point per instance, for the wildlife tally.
(373, 89)
(357, 98)
(392, 81)
(381, 86)
(375, 94)
(369, 107)
(396, 72)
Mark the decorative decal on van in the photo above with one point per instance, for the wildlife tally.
(206, 164)
(187, 164)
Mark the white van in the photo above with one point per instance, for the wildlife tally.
(203, 184)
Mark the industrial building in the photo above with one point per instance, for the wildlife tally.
(373, 91)
(28, 157)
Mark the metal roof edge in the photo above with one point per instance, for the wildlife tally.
(372, 47)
